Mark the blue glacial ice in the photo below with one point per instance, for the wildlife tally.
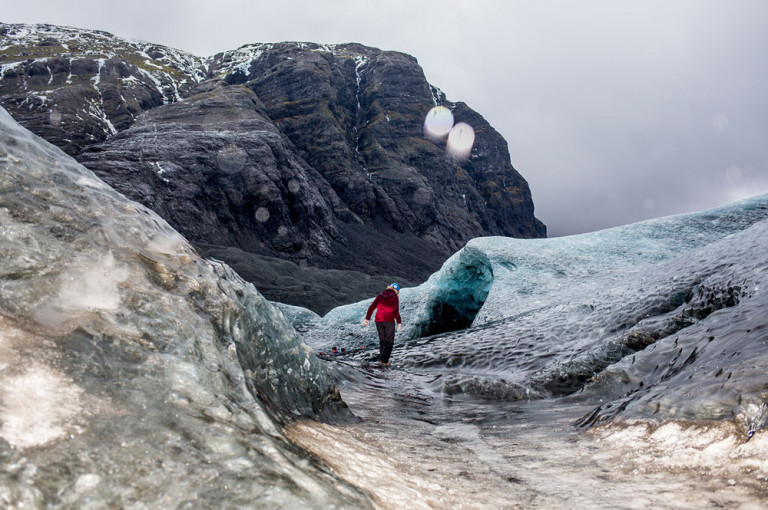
(641, 315)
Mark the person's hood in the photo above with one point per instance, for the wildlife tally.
(388, 294)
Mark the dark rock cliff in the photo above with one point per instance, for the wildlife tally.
(215, 164)
(272, 152)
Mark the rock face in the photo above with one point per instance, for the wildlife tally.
(216, 160)
(294, 151)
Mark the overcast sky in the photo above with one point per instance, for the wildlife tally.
(614, 111)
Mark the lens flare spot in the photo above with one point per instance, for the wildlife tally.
(54, 118)
(438, 123)
(262, 214)
(231, 158)
(293, 186)
(460, 141)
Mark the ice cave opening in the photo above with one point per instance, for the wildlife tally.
(460, 296)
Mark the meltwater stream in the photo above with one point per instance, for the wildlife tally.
(423, 449)
(415, 448)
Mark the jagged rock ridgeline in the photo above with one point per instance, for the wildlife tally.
(78, 87)
(309, 153)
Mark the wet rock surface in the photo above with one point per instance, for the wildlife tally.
(309, 153)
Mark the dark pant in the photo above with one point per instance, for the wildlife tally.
(386, 339)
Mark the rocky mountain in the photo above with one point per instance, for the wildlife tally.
(299, 152)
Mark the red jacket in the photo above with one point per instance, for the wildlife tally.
(387, 306)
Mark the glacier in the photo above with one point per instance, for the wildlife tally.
(136, 374)
(650, 316)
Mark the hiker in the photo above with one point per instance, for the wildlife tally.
(387, 307)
